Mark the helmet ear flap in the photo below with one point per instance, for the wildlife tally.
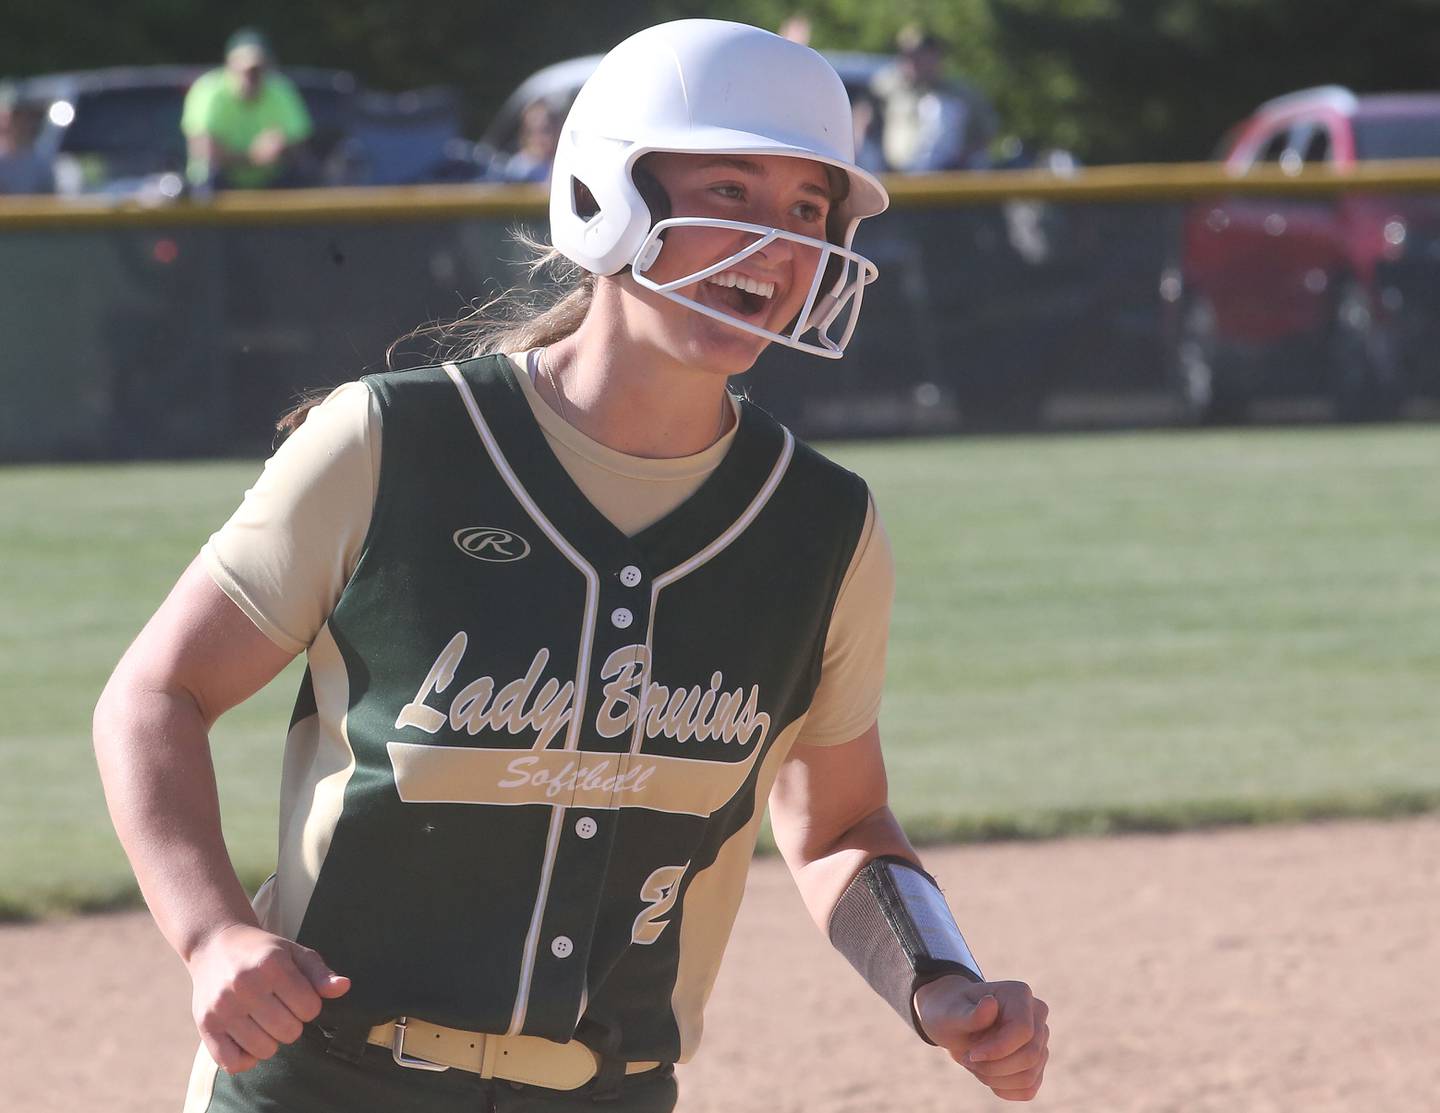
(652, 193)
(657, 202)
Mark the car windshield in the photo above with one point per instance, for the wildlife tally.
(1397, 137)
(120, 120)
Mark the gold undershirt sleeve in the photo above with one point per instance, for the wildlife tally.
(287, 552)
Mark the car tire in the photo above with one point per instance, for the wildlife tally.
(1205, 372)
(1366, 372)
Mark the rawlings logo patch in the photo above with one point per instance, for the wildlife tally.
(491, 544)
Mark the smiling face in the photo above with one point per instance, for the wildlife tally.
(766, 289)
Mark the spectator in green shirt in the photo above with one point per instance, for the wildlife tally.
(244, 123)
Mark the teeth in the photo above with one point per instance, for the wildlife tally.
(749, 285)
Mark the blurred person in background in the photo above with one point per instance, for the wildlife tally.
(22, 168)
(865, 117)
(931, 122)
(244, 123)
(866, 113)
(539, 136)
(796, 28)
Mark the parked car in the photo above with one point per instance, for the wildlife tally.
(1310, 295)
(409, 138)
(117, 131)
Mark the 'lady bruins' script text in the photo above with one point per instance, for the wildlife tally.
(546, 706)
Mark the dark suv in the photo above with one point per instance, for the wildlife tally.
(117, 131)
(1329, 295)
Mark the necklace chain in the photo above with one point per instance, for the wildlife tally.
(568, 414)
(555, 387)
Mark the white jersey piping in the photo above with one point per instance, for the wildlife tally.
(704, 556)
(582, 674)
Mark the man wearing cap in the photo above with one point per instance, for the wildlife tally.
(931, 122)
(243, 122)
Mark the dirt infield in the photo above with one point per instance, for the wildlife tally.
(1283, 969)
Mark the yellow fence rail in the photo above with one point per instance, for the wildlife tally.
(1158, 182)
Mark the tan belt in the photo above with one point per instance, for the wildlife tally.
(529, 1059)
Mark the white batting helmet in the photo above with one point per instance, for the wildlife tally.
(706, 86)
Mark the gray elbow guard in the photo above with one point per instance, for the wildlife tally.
(894, 926)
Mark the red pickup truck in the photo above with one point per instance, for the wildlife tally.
(1334, 295)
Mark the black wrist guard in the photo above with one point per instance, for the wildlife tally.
(894, 926)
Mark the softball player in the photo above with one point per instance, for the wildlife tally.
(571, 613)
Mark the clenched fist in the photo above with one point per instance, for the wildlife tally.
(253, 991)
(995, 1030)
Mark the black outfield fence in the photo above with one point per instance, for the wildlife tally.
(1153, 293)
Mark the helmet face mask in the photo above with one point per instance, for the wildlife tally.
(823, 306)
(716, 88)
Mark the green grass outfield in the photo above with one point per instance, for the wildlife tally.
(1092, 633)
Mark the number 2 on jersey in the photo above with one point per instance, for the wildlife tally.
(660, 890)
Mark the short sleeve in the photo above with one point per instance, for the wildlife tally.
(847, 701)
(292, 117)
(199, 101)
(287, 552)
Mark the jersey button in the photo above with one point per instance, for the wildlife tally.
(621, 617)
(561, 946)
(630, 576)
(586, 827)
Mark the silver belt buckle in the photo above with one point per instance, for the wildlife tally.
(397, 1050)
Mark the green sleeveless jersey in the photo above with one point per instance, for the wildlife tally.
(530, 755)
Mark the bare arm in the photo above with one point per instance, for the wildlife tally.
(209, 150)
(830, 816)
(197, 657)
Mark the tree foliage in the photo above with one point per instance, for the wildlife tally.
(481, 47)
(1111, 79)
(1161, 79)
